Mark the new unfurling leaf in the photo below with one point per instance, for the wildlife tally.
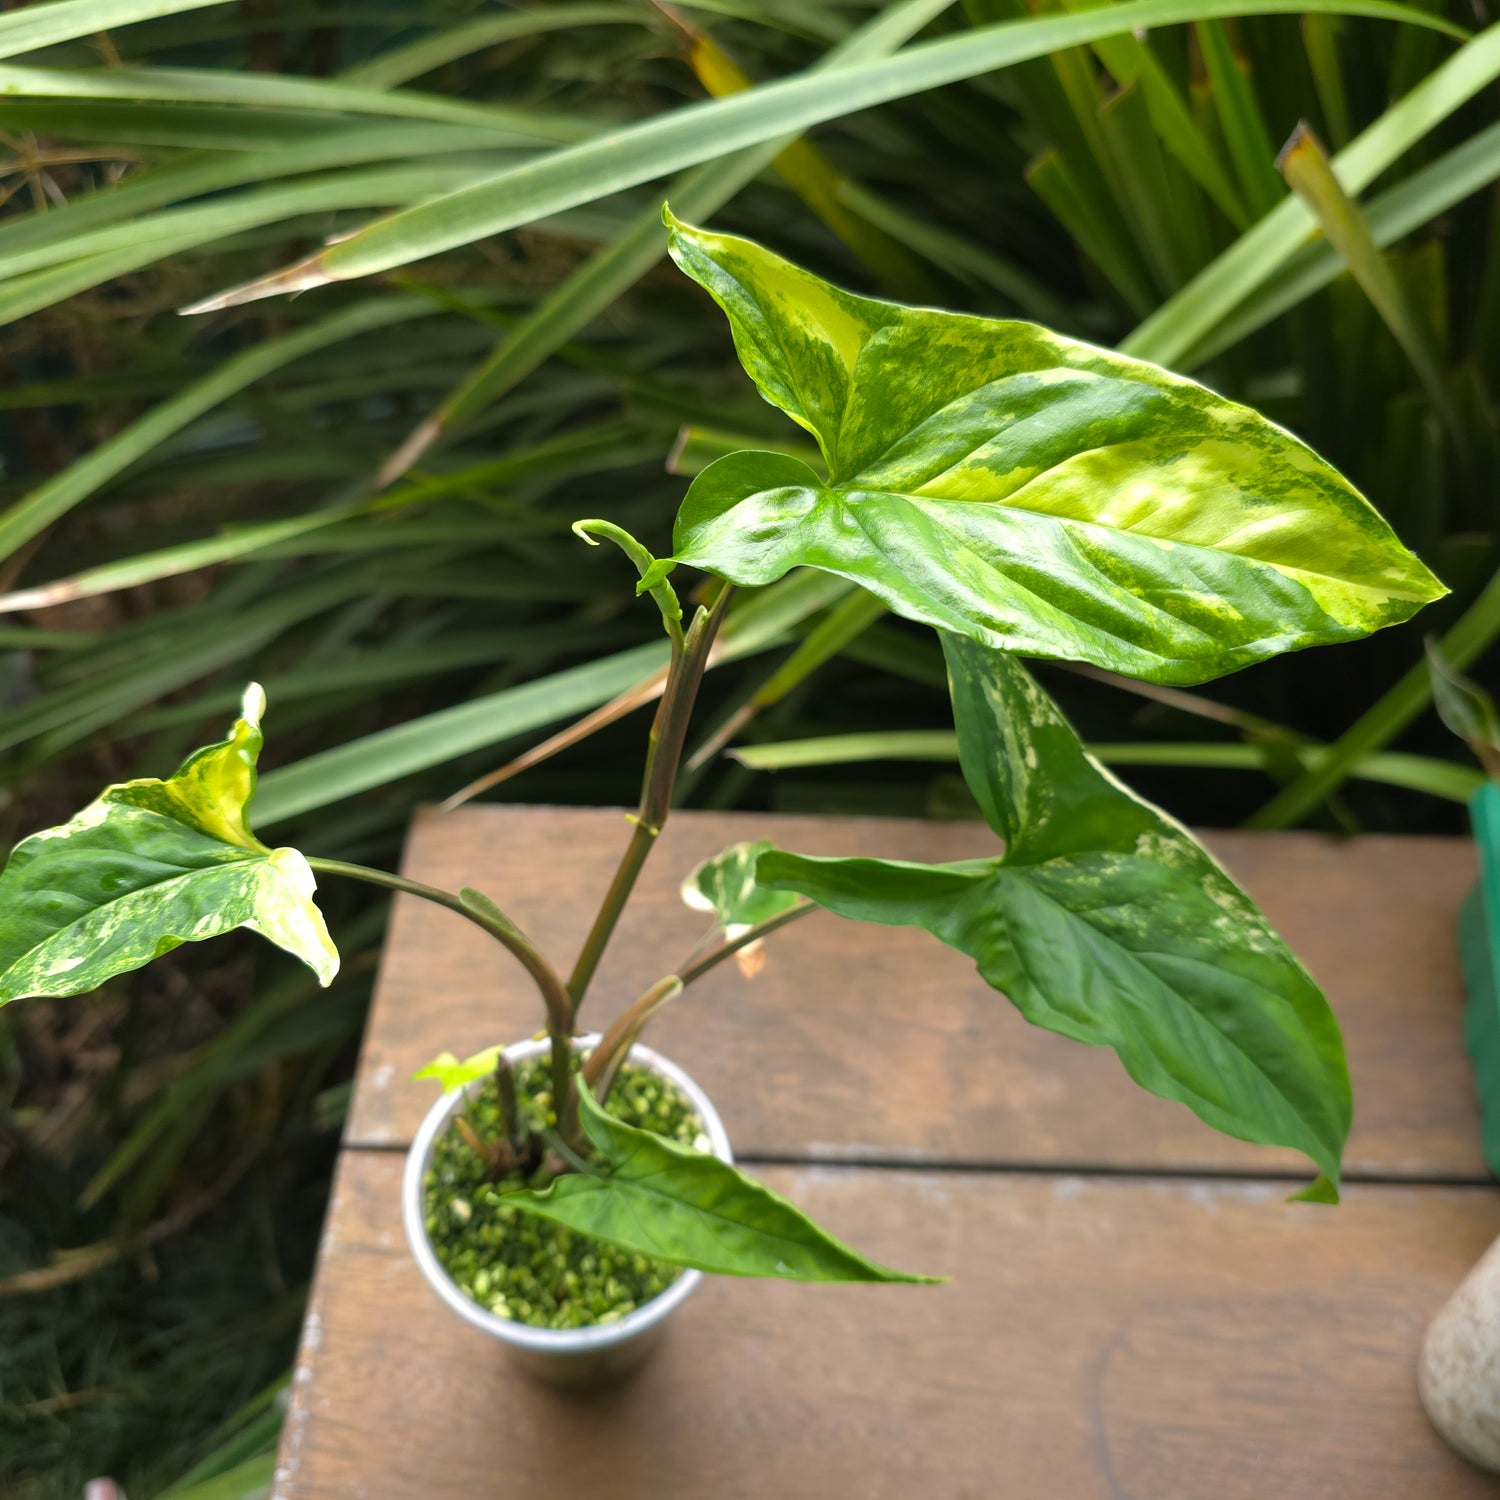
(149, 865)
(1027, 491)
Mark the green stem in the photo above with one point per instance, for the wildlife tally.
(510, 1111)
(604, 1062)
(505, 932)
(730, 946)
(663, 757)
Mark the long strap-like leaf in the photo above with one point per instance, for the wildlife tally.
(36, 26)
(668, 143)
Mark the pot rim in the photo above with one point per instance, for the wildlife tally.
(565, 1341)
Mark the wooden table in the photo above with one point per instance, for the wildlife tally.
(1135, 1310)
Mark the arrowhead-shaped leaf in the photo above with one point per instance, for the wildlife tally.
(1106, 922)
(726, 886)
(150, 865)
(691, 1209)
(1031, 492)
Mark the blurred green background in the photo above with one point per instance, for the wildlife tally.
(361, 496)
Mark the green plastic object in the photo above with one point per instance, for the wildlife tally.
(1479, 943)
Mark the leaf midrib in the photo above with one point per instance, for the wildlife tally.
(642, 1183)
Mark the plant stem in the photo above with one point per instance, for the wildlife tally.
(730, 946)
(505, 932)
(663, 757)
(604, 1062)
(505, 1090)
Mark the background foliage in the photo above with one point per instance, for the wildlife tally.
(362, 496)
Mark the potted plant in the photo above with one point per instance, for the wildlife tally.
(1027, 496)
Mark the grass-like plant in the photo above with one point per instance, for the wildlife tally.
(1028, 496)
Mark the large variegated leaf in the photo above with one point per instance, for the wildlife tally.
(150, 865)
(691, 1209)
(1106, 922)
(1029, 491)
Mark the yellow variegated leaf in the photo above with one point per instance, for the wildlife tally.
(1029, 491)
(150, 865)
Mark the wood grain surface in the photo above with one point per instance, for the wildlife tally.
(1135, 1311)
(1102, 1339)
(862, 1043)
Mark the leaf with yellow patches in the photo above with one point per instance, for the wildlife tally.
(152, 864)
(1031, 492)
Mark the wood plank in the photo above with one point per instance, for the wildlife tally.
(1103, 1339)
(878, 1044)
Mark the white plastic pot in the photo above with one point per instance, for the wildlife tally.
(562, 1356)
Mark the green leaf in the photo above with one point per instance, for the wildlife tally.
(1031, 492)
(150, 865)
(1305, 165)
(451, 1074)
(635, 154)
(691, 1209)
(430, 52)
(1255, 260)
(1104, 921)
(58, 494)
(260, 90)
(606, 275)
(1411, 203)
(725, 885)
(1464, 707)
(34, 26)
(1420, 773)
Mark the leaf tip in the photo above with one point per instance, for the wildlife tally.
(300, 277)
(1322, 1189)
(1298, 143)
(581, 531)
(253, 705)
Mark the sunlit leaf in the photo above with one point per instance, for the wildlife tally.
(150, 865)
(1029, 491)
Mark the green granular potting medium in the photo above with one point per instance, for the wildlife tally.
(528, 1268)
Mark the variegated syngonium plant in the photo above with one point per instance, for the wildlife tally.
(1026, 495)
